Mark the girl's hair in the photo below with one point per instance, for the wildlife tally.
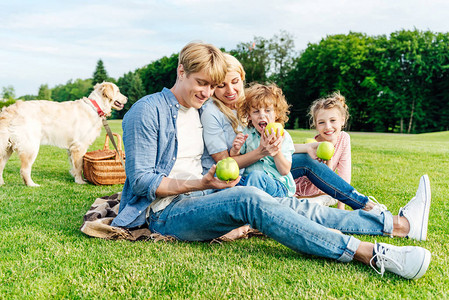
(257, 96)
(233, 65)
(334, 100)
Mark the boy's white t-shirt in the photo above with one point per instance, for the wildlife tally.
(190, 149)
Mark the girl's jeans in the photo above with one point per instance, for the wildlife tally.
(295, 223)
(326, 180)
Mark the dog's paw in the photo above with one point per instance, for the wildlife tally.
(32, 184)
(80, 181)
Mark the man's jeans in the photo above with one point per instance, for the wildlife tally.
(326, 180)
(295, 223)
(263, 181)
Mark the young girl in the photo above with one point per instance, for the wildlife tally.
(329, 115)
(271, 170)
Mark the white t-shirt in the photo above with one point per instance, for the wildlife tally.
(190, 149)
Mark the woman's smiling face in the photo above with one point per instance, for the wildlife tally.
(230, 90)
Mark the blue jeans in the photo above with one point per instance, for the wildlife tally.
(326, 180)
(263, 181)
(297, 224)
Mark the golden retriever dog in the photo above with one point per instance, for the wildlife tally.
(72, 125)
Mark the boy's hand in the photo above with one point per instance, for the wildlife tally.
(209, 181)
(271, 145)
(238, 143)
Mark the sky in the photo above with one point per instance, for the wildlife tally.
(52, 42)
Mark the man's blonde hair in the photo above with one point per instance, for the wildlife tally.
(197, 56)
(257, 96)
(233, 66)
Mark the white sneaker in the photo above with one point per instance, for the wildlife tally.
(410, 262)
(324, 200)
(377, 208)
(417, 211)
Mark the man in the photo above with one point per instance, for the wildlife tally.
(165, 188)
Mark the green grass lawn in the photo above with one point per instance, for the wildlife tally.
(43, 254)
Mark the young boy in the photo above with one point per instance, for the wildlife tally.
(265, 104)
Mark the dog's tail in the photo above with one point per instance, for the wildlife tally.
(6, 117)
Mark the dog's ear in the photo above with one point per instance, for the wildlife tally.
(108, 90)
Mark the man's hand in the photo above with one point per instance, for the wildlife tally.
(209, 181)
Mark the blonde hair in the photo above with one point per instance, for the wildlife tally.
(233, 66)
(334, 100)
(257, 96)
(197, 56)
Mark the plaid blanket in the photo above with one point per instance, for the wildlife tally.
(98, 219)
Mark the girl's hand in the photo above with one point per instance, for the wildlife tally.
(209, 181)
(311, 150)
(237, 144)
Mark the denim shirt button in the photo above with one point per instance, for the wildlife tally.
(174, 158)
(174, 116)
(140, 211)
(177, 105)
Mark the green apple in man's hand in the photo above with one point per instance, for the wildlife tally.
(227, 169)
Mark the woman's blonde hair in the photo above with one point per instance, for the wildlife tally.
(257, 96)
(334, 100)
(196, 57)
(233, 65)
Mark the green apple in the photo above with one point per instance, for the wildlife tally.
(227, 169)
(274, 127)
(309, 140)
(325, 150)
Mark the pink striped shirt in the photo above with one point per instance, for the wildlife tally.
(340, 162)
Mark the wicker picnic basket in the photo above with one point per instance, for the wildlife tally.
(103, 167)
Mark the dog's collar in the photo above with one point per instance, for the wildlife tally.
(100, 112)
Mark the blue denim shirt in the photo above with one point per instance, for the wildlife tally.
(149, 137)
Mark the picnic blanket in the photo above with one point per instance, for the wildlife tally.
(98, 219)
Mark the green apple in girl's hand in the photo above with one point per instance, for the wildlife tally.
(309, 140)
(227, 169)
(275, 127)
(325, 150)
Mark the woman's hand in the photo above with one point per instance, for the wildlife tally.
(209, 181)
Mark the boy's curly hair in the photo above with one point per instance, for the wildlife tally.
(259, 95)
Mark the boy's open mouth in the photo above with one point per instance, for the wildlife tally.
(262, 125)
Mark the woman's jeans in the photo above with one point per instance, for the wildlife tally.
(326, 180)
(295, 223)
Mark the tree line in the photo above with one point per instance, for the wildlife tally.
(396, 83)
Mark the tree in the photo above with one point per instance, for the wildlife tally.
(44, 92)
(100, 73)
(254, 57)
(281, 54)
(8, 92)
(159, 74)
(72, 90)
(131, 86)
